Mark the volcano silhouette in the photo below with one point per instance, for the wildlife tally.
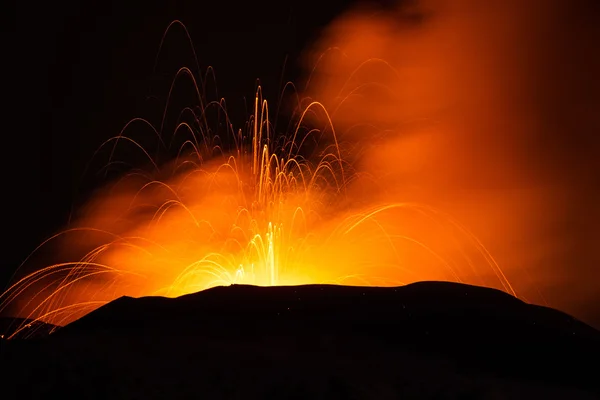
(423, 340)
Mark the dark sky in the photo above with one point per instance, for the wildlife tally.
(75, 72)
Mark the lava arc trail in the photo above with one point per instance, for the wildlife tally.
(251, 205)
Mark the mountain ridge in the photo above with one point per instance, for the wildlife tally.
(474, 333)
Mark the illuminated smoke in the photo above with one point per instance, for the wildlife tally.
(487, 110)
(415, 128)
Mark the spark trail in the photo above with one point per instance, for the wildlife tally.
(251, 205)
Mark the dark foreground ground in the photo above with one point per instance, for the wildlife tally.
(430, 340)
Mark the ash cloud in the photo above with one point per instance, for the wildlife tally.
(486, 110)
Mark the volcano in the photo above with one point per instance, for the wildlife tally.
(423, 340)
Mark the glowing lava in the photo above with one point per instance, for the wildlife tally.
(253, 206)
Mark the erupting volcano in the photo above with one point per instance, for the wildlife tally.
(254, 205)
(399, 210)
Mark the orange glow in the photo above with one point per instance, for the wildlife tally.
(259, 214)
(404, 122)
(488, 111)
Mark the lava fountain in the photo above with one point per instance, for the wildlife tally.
(251, 205)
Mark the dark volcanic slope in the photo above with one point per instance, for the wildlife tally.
(24, 328)
(478, 333)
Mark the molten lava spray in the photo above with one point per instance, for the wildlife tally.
(407, 117)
